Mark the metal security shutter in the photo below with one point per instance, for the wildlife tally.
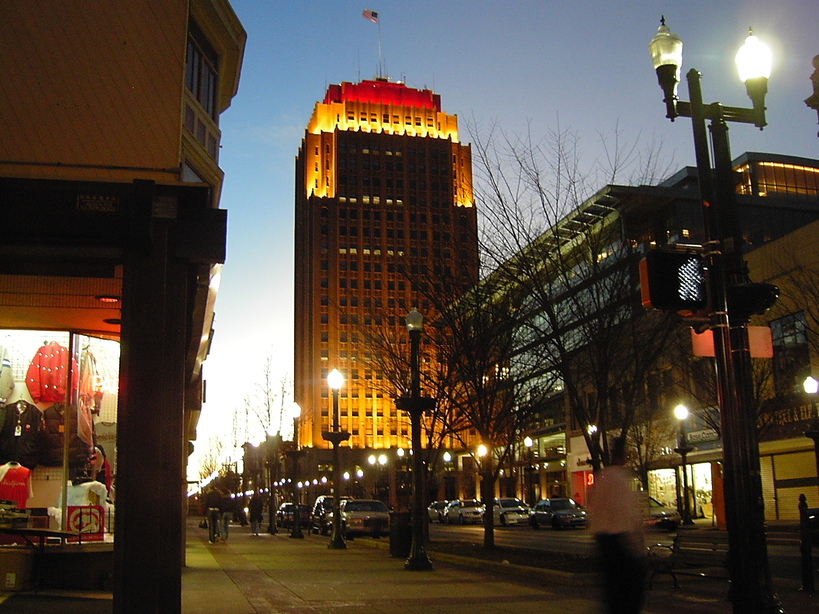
(794, 474)
(768, 491)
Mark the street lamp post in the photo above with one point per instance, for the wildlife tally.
(295, 531)
(272, 455)
(335, 381)
(811, 386)
(415, 405)
(530, 490)
(681, 413)
(748, 555)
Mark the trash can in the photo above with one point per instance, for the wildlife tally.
(400, 534)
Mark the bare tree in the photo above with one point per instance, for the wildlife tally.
(212, 458)
(270, 400)
(572, 264)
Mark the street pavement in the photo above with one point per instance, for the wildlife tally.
(273, 573)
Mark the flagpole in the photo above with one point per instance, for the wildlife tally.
(373, 16)
(380, 67)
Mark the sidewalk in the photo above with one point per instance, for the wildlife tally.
(273, 573)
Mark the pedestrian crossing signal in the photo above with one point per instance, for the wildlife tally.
(673, 281)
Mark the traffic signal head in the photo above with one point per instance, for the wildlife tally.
(673, 281)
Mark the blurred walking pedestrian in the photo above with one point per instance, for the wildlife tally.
(256, 508)
(616, 521)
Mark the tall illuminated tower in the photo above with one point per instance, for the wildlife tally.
(383, 192)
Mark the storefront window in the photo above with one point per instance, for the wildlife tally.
(58, 419)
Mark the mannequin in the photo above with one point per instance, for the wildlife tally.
(15, 483)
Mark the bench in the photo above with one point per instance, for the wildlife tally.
(693, 552)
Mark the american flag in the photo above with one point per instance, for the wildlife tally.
(371, 15)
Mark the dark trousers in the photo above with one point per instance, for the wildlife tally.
(625, 575)
(213, 523)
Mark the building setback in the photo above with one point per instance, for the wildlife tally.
(384, 212)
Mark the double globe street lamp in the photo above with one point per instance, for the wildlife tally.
(295, 454)
(729, 294)
(415, 405)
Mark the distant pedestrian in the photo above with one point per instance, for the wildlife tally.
(256, 508)
(226, 507)
(617, 524)
(213, 499)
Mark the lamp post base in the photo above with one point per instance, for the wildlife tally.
(415, 407)
(337, 542)
(336, 437)
(297, 533)
(418, 561)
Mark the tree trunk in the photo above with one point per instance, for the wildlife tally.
(488, 498)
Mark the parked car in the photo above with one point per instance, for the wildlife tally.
(284, 515)
(323, 514)
(436, 510)
(510, 511)
(661, 516)
(463, 511)
(558, 514)
(367, 516)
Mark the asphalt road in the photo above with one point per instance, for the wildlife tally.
(783, 550)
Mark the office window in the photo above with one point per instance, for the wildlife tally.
(791, 361)
(201, 70)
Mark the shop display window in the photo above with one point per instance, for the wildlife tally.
(58, 426)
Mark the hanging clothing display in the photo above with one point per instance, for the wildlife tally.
(21, 433)
(87, 382)
(52, 451)
(47, 374)
(15, 484)
(6, 376)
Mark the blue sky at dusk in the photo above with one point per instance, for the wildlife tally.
(531, 65)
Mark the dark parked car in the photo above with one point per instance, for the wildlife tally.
(284, 515)
(661, 516)
(558, 514)
(323, 514)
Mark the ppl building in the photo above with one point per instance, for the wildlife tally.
(384, 218)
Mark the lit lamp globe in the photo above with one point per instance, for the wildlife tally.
(414, 320)
(335, 379)
(681, 412)
(810, 385)
(666, 56)
(754, 60)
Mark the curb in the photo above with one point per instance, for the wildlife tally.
(548, 576)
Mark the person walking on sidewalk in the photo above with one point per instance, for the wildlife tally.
(213, 499)
(617, 524)
(226, 507)
(255, 507)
